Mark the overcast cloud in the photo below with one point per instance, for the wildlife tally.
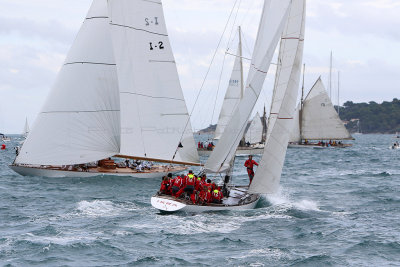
(363, 34)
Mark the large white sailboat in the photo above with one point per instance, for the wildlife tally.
(280, 18)
(317, 119)
(117, 95)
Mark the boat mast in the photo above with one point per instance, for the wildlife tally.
(338, 93)
(264, 123)
(330, 78)
(302, 105)
(241, 64)
(243, 141)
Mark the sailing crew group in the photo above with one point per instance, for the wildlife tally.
(199, 189)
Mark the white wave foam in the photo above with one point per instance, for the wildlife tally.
(97, 208)
(282, 200)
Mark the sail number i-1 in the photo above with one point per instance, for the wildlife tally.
(149, 22)
(153, 21)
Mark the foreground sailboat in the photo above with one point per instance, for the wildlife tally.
(279, 17)
(117, 95)
(317, 119)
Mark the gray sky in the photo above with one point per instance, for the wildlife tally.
(363, 34)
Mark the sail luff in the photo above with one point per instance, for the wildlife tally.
(267, 177)
(154, 115)
(271, 26)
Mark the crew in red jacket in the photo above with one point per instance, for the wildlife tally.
(249, 165)
(177, 185)
(189, 183)
(204, 196)
(164, 185)
(217, 196)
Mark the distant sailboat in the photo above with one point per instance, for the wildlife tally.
(255, 132)
(117, 95)
(317, 119)
(26, 129)
(279, 17)
(233, 96)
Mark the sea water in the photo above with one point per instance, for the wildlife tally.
(336, 207)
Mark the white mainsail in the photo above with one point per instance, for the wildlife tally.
(233, 95)
(255, 131)
(79, 121)
(320, 120)
(273, 20)
(26, 129)
(267, 177)
(154, 115)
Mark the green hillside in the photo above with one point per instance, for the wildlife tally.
(372, 117)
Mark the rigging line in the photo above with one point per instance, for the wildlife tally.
(223, 62)
(233, 26)
(205, 77)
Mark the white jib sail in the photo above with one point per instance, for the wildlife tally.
(153, 110)
(79, 121)
(273, 20)
(268, 174)
(232, 98)
(320, 119)
(26, 129)
(285, 76)
(255, 131)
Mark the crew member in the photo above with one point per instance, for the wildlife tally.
(3, 146)
(249, 164)
(204, 196)
(217, 196)
(189, 183)
(177, 185)
(164, 185)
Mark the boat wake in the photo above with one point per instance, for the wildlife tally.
(282, 200)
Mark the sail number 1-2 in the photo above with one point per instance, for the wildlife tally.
(159, 45)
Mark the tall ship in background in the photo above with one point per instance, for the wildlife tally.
(117, 96)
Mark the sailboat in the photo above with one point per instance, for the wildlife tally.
(26, 129)
(280, 18)
(117, 95)
(317, 119)
(4, 138)
(233, 96)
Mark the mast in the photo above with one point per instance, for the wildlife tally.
(338, 93)
(264, 123)
(241, 63)
(330, 78)
(302, 105)
(243, 141)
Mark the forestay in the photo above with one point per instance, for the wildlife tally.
(153, 110)
(79, 122)
(320, 119)
(232, 97)
(255, 131)
(273, 20)
(267, 177)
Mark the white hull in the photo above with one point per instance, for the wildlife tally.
(51, 173)
(239, 152)
(171, 204)
(6, 139)
(316, 146)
